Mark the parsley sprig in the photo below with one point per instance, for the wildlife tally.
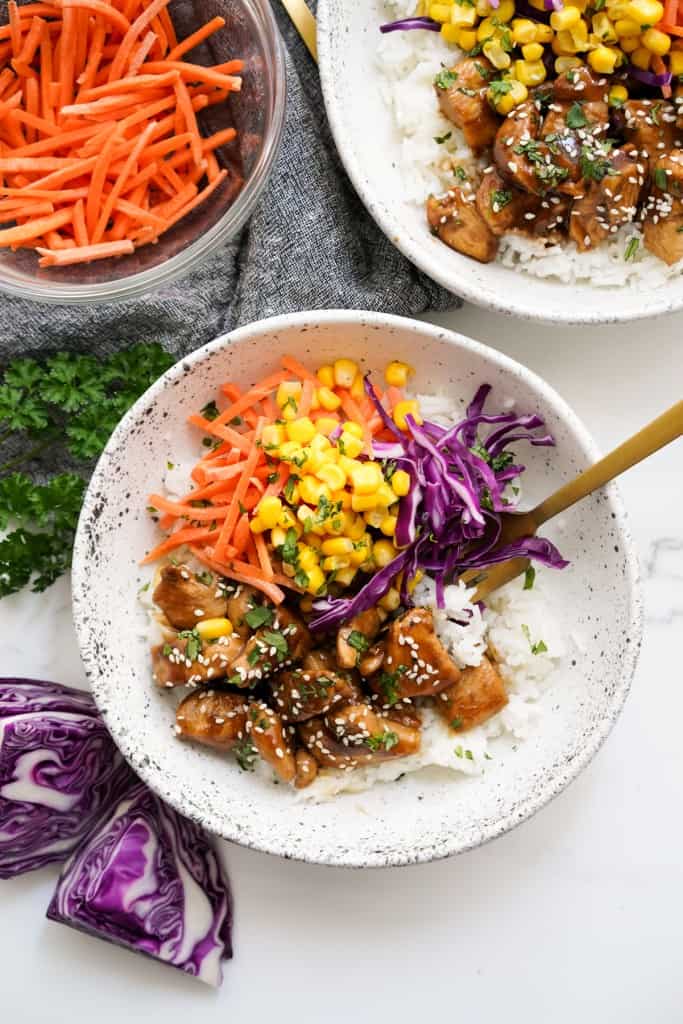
(68, 404)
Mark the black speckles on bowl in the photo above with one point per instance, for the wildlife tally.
(421, 817)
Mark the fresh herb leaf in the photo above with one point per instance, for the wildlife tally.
(529, 578)
(259, 615)
(358, 641)
(576, 117)
(440, 139)
(193, 647)
(660, 177)
(456, 723)
(384, 741)
(245, 754)
(593, 161)
(501, 87)
(288, 550)
(204, 577)
(500, 198)
(445, 79)
(631, 249)
(460, 174)
(539, 647)
(274, 639)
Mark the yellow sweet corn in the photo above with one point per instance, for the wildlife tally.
(328, 400)
(451, 33)
(505, 11)
(603, 28)
(272, 436)
(302, 430)
(391, 600)
(311, 490)
(337, 546)
(333, 476)
(530, 72)
(345, 370)
(325, 425)
(486, 30)
(400, 482)
(316, 580)
(493, 51)
(356, 528)
(565, 19)
(524, 31)
(362, 550)
(307, 557)
(504, 103)
(257, 525)
(348, 464)
(629, 43)
(603, 60)
(467, 38)
(343, 499)
(212, 629)
(656, 42)
(532, 51)
(406, 408)
(645, 12)
(346, 576)
(462, 16)
(544, 33)
(397, 373)
(326, 376)
(374, 517)
(278, 536)
(618, 95)
(676, 62)
(564, 64)
(269, 511)
(388, 526)
(357, 389)
(439, 12)
(363, 502)
(350, 445)
(289, 389)
(288, 521)
(641, 58)
(353, 428)
(626, 27)
(366, 478)
(333, 563)
(383, 552)
(385, 495)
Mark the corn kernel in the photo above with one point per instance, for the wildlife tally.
(565, 19)
(326, 376)
(645, 12)
(363, 502)
(505, 11)
(629, 43)
(347, 464)
(517, 94)
(257, 525)
(288, 569)
(493, 50)
(278, 536)
(333, 563)
(325, 425)
(656, 41)
(328, 400)
(366, 478)
(342, 498)
(397, 373)
(383, 552)
(269, 511)
(345, 371)
(357, 389)
(544, 34)
(289, 411)
(523, 31)
(440, 12)
(532, 51)
(626, 27)
(618, 95)
(211, 629)
(414, 580)
(451, 33)
(676, 62)
(272, 436)
(290, 451)
(345, 576)
(320, 443)
(306, 516)
(289, 389)
(307, 558)
(288, 520)
(302, 430)
(311, 490)
(603, 60)
(462, 16)
(391, 600)
(356, 528)
(564, 64)
(385, 496)
(530, 72)
(362, 550)
(483, 8)
(486, 30)
(388, 525)
(641, 58)
(353, 428)
(350, 445)
(337, 546)
(333, 476)
(406, 408)
(375, 517)
(467, 39)
(566, 43)
(316, 580)
(400, 482)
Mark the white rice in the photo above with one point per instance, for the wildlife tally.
(408, 62)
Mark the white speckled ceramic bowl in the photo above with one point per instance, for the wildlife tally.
(423, 816)
(348, 35)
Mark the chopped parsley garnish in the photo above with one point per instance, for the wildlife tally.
(593, 161)
(204, 577)
(210, 411)
(385, 740)
(288, 491)
(483, 71)
(167, 650)
(259, 615)
(500, 198)
(529, 578)
(631, 249)
(598, 5)
(576, 117)
(499, 88)
(388, 684)
(654, 113)
(358, 641)
(245, 755)
(301, 579)
(459, 752)
(536, 648)
(278, 641)
(467, 92)
(193, 646)
(456, 723)
(288, 550)
(445, 79)
(460, 173)
(661, 179)
(440, 139)
(291, 403)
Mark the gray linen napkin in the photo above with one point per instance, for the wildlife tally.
(309, 245)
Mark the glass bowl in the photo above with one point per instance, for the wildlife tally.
(257, 112)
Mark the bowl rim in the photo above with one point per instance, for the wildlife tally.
(144, 282)
(85, 629)
(394, 229)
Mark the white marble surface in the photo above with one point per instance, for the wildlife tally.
(573, 917)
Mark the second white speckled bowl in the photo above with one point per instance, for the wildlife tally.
(423, 816)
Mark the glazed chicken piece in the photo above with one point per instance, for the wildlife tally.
(522, 158)
(184, 599)
(362, 629)
(580, 84)
(171, 665)
(478, 694)
(306, 768)
(454, 217)
(303, 693)
(416, 664)
(212, 717)
(274, 647)
(461, 92)
(605, 203)
(361, 737)
(649, 129)
(242, 600)
(322, 659)
(566, 129)
(663, 211)
(502, 206)
(266, 731)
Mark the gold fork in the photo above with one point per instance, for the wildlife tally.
(304, 23)
(662, 431)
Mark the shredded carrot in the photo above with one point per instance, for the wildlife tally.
(83, 254)
(353, 413)
(298, 369)
(233, 512)
(263, 556)
(188, 535)
(34, 228)
(304, 404)
(242, 572)
(196, 38)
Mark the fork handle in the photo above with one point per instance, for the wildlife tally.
(666, 428)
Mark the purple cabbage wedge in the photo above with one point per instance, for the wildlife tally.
(59, 769)
(148, 880)
(450, 521)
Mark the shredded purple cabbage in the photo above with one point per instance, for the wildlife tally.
(450, 520)
(649, 77)
(553, 5)
(409, 23)
(148, 880)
